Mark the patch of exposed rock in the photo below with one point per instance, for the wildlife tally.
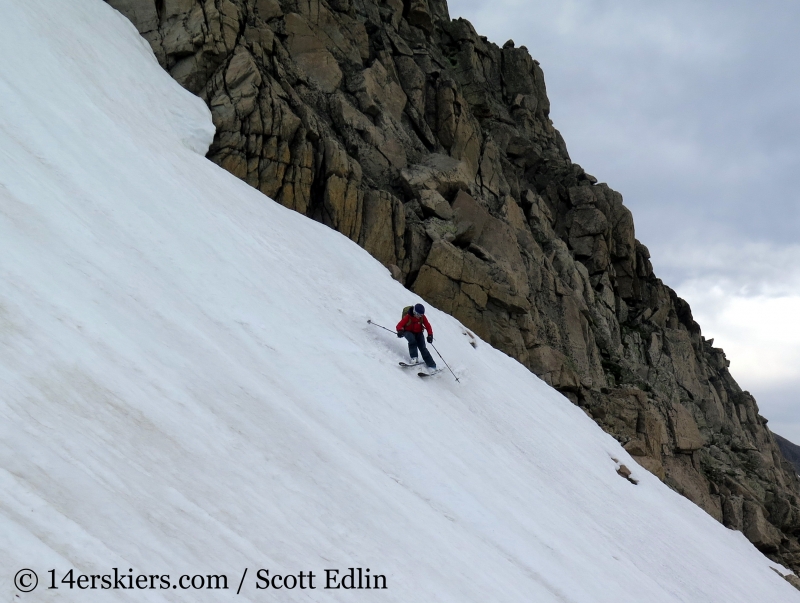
(433, 149)
(790, 450)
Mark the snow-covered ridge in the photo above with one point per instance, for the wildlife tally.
(188, 383)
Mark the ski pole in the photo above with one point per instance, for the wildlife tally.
(375, 324)
(445, 362)
(380, 327)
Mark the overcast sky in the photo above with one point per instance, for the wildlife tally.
(691, 110)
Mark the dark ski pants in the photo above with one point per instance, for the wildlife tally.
(415, 341)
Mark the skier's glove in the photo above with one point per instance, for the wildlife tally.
(401, 333)
(430, 338)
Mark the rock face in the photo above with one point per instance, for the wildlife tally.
(433, 149)
(790, 450)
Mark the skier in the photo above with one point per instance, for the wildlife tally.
(411, 327)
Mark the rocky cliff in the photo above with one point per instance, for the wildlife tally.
(433, 149)
(791, 451)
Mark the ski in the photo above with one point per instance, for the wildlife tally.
(407, 365)
(436, 372)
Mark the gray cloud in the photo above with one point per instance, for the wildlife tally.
(740, 268)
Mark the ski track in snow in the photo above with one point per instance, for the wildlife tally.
(188, 383)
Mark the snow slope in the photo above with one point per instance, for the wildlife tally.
(188, 383)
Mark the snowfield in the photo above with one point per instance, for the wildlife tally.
(188, 383)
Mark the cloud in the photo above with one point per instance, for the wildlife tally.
(678, 30)
(747, 269)
(760, 334)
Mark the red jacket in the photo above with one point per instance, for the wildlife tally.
(415, 324)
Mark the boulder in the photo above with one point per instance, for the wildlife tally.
(434, 204)
(793, 580)
(419, 14)
(636, 447)
(470, 217)
(378, 231)
(396, 11)
(587, 221)
(439, 173)
(412, 80)
(764, 536)
(684, 428)
(268, 9)
(456, 129)
(446, 259)
(553, 368)
(623, 471)
(733, 512)
(242, 80)
(682, 476)
(653, 465)
(436, 288)
(376, 91)
(308, 50)
(343, 197)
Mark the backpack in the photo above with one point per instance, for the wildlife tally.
(406, 310)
